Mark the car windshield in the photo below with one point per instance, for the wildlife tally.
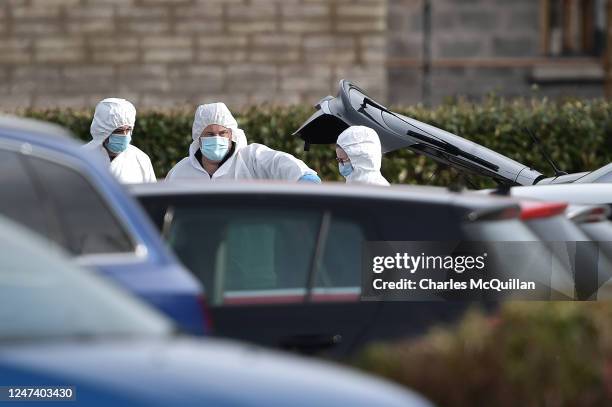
(43, 296)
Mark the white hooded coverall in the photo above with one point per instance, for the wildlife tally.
(131, 165)
(252, 161)
(362, 146)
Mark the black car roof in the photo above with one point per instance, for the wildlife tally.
(410, 193)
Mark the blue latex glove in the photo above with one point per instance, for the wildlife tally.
(310, 178)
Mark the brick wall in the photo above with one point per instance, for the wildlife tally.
(72, 53)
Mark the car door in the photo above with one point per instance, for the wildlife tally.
(258, 257)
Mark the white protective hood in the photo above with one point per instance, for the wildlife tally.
(111, 114)
(130, 166)
(214, 113)
(362, 146)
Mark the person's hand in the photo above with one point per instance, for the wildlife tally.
(310, 177)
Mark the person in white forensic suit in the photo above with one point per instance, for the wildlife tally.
(219, 150)
(111, 132)
(359, 156)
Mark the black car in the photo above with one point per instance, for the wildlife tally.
(281, 263)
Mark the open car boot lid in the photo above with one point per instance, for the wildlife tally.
(354, 107)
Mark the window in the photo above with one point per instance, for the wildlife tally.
(18, 198)
(86, 222)
(248, 249)
(573, 27)
(238, 250)
(341, 262)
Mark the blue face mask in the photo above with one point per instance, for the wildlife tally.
(214, 148)
(118, 143)
(345, 169)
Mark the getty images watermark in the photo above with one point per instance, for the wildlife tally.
(458, 264)
(417, 271)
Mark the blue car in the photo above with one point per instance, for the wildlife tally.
(65, 327)
(50, 185)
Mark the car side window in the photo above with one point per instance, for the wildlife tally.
(351, 227)
(86, 221)
(246, 252)
(341, 262)
(19, 200)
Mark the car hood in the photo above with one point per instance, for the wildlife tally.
(194, 372)
(353, 107)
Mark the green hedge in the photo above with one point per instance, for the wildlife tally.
(534, 354)
(577, 134)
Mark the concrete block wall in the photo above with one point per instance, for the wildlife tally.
(468, 40)
(405, 41)
(156, 53)
(485, 28)
(466, 29)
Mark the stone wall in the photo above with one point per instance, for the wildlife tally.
(72, 53)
